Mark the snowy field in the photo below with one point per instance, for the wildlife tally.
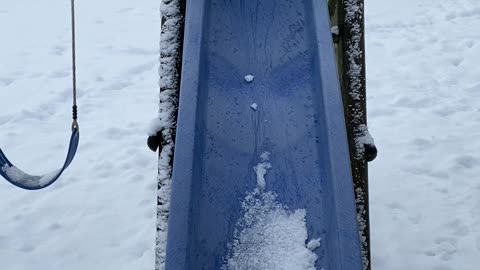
(101, 214)
(424, 112)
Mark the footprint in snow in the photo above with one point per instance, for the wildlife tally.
(423, 144)
(469, 44)
(5, 119)
(104, 166)
(59, 74)
(140, 51)
(415, 219)
(125, 10)
(443, 267)
(27, 248)
(6, 81)
(145, 202)
(137, 178)
(458, 228)
(466, 162)
(117, 86)
(451, 16)
(58, 50)
(54, 226)
(142, 68)
(456, 61)
(407, 102)
(444, 249)
(117, 133)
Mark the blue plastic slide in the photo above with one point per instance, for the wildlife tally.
(261, 145)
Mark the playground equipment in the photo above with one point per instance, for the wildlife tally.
(292, 109)
(23, 180)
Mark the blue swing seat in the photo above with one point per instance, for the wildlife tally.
(34, 182)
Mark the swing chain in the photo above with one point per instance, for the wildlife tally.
(74, 69)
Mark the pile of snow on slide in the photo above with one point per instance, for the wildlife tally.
(269, 236)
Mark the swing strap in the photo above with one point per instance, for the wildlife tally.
(34, 182)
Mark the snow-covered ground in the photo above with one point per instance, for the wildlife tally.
(424, 113)
(101, 214)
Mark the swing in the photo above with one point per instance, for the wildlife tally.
(34, 182)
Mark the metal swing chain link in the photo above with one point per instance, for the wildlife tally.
(74, 69)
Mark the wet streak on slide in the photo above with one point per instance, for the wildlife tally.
(287, 46)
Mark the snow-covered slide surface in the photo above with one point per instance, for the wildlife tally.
(261, 172)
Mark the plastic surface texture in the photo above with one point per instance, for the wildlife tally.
(35, 182)
(287, 46)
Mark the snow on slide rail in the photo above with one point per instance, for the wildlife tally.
(170, 65)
